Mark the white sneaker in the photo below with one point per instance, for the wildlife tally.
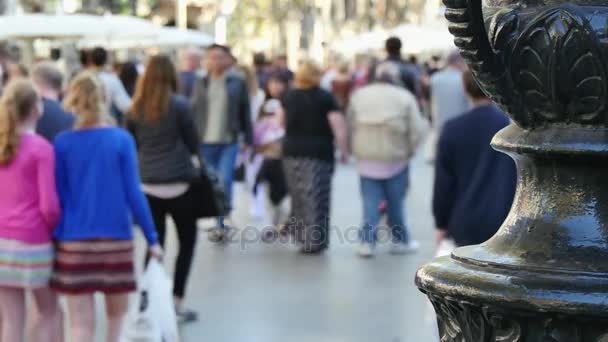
(366, 250)
(405, 248)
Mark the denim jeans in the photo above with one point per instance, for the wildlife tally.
(222, 159)
(393, 191)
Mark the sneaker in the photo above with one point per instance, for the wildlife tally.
(366, 250)
(218, 235)
(185, 315)
(405, 248)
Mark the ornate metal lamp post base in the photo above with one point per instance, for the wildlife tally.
(544, 276)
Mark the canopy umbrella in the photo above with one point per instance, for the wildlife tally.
(364, 42)
(74, 26)
(165, 37)
(45, 26)
(417, 38)
(116, 27)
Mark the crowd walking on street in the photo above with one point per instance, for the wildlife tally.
(85, 157)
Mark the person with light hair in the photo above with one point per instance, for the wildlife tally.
(386, 129)
(313, 122)
(99, 190)
(29, 211)
(49, 82)
(191, 64)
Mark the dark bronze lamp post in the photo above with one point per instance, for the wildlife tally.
(544, 276)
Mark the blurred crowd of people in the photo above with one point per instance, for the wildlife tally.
(77, 162)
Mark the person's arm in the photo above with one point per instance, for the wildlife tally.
(338, 125)
(187, 128)
(418, 126)
(137, 201)
(120, 97)
(339, 128)
(60, 175)
(47, 188)
(245, 114)
(444, 188)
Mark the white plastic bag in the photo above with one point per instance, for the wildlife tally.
(152, 316)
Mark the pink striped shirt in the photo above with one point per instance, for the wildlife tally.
(29, 207)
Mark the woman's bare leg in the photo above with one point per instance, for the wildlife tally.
(12, 311)
(116, 310)
(46, 321)
(81, 313)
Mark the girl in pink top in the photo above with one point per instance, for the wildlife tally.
(29, 210)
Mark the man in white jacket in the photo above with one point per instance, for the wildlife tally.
(387, 128)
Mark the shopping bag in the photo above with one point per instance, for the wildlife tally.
(152, 316)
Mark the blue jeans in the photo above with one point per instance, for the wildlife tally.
(222, 159)
(393, 191)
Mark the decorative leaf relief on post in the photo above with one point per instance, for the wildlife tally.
(558, 70)
(460, 321)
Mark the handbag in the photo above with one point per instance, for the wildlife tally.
(208, 192)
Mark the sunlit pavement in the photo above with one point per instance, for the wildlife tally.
(254, 291)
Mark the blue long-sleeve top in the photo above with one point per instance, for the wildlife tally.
(99, 186)
(474, 184)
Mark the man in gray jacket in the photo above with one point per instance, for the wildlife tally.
(222, 116)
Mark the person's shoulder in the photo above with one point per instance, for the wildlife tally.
(55, 108)
(38, 143)
(179, 101)
(322, 93)
(120, 133)
(63, 140)
(460, 121)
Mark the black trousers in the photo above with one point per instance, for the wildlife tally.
(272, 173)
(180, 210)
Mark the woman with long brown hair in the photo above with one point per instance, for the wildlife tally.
(29, 210)
(99, 190)
(162, 124)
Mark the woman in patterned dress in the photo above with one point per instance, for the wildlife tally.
(314, 125)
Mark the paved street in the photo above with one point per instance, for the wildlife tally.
(269, 293)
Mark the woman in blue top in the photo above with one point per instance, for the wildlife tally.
(99, 190)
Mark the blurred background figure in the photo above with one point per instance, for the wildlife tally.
(313, 122)
(190, 65)
(262, 72)
(448, 98)
(386, 128)
(342, 85)
(410, 73)
(281, 68)
(116, 98)
(128, 75)
(49, 83)
(247, 164)
(268, 135)
(222, 116)
(474, 184)
(16, 71)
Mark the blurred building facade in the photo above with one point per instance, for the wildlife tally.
(298, 28)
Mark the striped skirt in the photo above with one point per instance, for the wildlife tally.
(25, 265)
(94, 266)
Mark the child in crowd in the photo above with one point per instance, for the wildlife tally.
(99, 189)
(29, 211)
